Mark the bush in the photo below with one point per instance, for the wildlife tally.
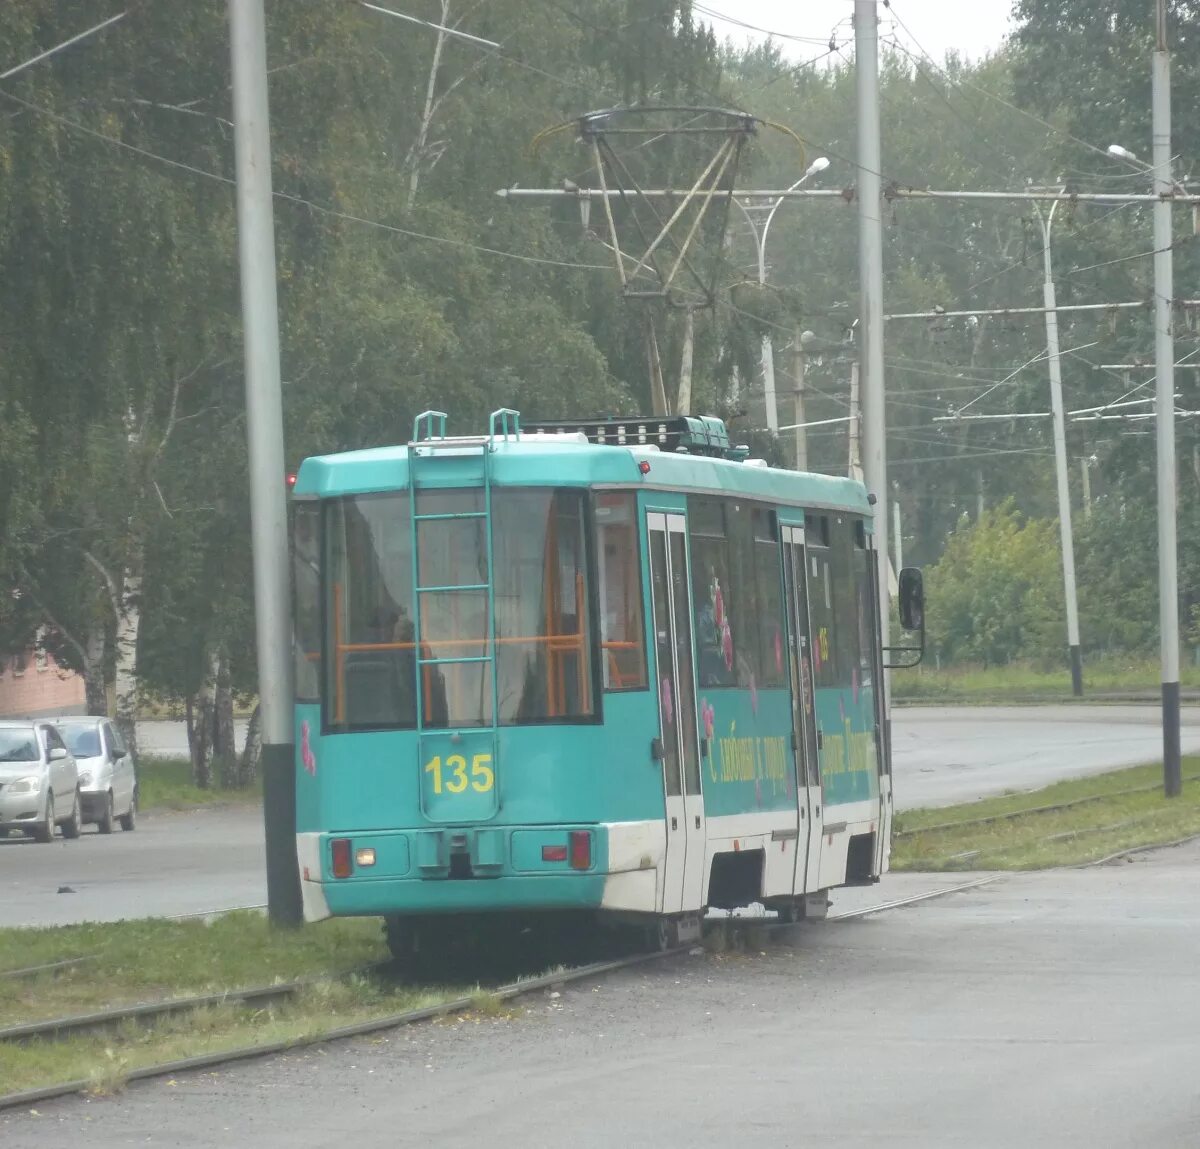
(996, 594)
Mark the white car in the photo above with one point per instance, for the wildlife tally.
(39, 781)
(107, 775)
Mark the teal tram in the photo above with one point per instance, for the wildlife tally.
(609, 666)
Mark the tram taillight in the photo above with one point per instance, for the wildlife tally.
(581, 850)
(343, 863)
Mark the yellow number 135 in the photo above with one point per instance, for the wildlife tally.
(455, 779)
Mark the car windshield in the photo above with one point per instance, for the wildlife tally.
(19, 745)
(82, 741)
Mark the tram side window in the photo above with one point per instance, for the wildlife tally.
(711, 593)
(622, 635)
(741, 595)
(306, 595)
(772, 670)
(821, 598)
(371, 657)
(543, 621)
(846, 603)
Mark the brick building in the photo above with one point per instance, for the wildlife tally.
(32, 684)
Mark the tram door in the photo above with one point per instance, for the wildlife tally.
(678, 744)
(804, 714)
(883, 734)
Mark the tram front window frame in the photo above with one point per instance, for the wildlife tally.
(543, 635)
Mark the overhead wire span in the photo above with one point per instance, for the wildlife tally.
(959, 83)
(18, 68)
(334, 213)
(1040, 357)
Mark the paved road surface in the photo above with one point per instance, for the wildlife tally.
(943, 755)
(173, 863)
(188, 863)
(1044, 1010)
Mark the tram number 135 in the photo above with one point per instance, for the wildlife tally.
(453, 777)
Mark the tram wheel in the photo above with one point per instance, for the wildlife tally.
(662, 934)
(409, 943)
(790, 912)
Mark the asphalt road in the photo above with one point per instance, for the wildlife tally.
(1057, 1009)
(947, 754)
(172, 864)
(213, 859)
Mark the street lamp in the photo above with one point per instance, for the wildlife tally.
(760, 243)
(1060, 454)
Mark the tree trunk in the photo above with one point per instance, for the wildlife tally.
(224, 744)
(197, 742)
(418, 148)
(201, 713)
(93, 673)
(128, 624)
(683, 402)
(658, 393)
(252, 752)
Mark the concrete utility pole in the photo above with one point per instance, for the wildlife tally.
(1065, 533)
(800, 364)
(870, 279)
(897, 538)
(855, 469)
(1164, 364)
(264, 432)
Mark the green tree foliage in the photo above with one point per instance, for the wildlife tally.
(404, 284)
(996, 594)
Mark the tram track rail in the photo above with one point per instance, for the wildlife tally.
(49, 1030)
(152, 1011)
(1012, 815)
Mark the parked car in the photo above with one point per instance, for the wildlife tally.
(107, 773)
(39, 781)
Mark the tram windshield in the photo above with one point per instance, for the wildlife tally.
(539, 643)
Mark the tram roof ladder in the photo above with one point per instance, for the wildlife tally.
(429, 439)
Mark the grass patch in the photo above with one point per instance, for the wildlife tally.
(154, 959)
(138, 961)
(1109, 820)
(105, 1060)
(165, 783)
(1020, 683)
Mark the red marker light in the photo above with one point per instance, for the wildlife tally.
(581, 850)
(343, 864)
(291, 481)
(554, 853)
(644, 467)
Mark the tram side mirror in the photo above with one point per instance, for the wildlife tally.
(912, 599)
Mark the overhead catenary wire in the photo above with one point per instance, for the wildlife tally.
(1038, 358)
(323, 209)
(455, 32)
(18, 68)
(960, 83)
